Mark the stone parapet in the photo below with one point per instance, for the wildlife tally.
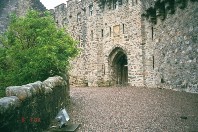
(31, 107)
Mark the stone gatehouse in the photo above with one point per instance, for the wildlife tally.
(152, 43)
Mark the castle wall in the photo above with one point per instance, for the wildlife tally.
(158, 55)
(171, 56)
(92, 67)
(128, 18)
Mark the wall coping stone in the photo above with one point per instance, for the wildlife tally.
(9, 103)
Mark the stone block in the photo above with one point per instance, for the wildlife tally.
(8, 104)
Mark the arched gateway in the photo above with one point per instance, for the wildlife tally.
(118, 66)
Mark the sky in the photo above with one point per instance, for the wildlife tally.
(50, 4)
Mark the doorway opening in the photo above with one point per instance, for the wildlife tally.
(119, 67)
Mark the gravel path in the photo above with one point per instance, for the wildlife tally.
(131, 109)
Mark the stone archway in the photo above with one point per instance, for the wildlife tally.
(118, 67)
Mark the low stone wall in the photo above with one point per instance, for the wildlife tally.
(31, 107)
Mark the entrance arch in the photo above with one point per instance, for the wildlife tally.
(118, 66)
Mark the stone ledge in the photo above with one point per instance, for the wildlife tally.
(38, 100)
(9, 103)
(27, 91)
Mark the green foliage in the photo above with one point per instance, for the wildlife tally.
(34, 49)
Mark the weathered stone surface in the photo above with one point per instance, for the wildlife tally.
(115, 28)
(20, 91)
(52, 82)
(33, 106)
(36, 87)
(8, 104)
(174, 50)
(158, 55)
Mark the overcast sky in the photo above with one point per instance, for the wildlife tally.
(50, 4)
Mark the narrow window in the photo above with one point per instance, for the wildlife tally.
(115, 4)
(123, 28)
(120, 2)
(91, 35)
(153, 63)
(79, 40)
(103, 67)
(91, 10)
(110, 31)
(136, 1)
(102, 33)
(132, 2)
(152, 33)
(78, 17)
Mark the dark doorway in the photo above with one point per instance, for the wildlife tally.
(119, 67)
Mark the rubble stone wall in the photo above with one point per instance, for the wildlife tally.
(160, 53)
(92, 67)
(171, 56)
(31, 107)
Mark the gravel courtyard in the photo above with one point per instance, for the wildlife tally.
(131, 109)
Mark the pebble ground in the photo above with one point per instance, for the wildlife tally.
(132, 109)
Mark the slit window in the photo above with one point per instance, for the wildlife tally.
(115, 4)
(102, 33)
(152, 34)
(123, 28)
(120, 2)
(110, 31)
(153, 63)
(91, 35)
(78, 17)
(79, 40)
(91, 10)
(132, 2)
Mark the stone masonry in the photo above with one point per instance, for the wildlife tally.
(32, 107)
(125, 45)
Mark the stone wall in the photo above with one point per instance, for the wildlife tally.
(31, 107)
(161, 48)
(171, 52)
(93, 67)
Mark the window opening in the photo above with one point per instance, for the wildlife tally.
(120, 2)
(92, 35)
(123, 28)
(115, 4)
(132, 2)
(152, 32)
(110, 31)
(153, 63)
(91, 10)
(78, 17)
(79, 40)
